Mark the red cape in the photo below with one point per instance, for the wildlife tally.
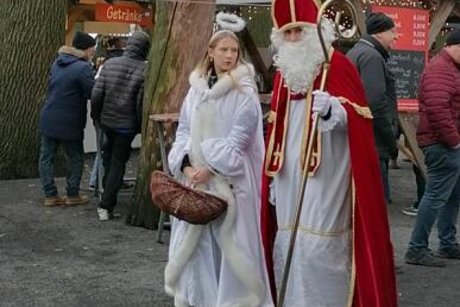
(374, 283)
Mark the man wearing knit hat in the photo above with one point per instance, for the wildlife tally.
(63, 118)
(370, 55)
(438, 134)
(83, 41)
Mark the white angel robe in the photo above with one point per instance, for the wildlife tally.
(321, 263)
(221, 264)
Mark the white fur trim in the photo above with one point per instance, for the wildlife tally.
(180, 302)
(72, 51)
(176, 265)
(231, 22)
(226, 83)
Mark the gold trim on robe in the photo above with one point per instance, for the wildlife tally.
(278, 152)
(363, 111)
(316, 154)
(352, 285)
(292, 10)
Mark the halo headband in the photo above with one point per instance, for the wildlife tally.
(230, 22)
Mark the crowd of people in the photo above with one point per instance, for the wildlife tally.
(330, 137)
(116, 95)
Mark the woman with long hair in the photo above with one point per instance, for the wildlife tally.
(219, 148)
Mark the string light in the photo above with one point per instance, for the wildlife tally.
(251, 12)
(422, 4)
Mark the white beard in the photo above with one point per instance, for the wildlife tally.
(300, 62)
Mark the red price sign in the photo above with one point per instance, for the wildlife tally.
(410, 52)
(412, 26)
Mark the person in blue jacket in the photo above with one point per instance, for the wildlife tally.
(63, 118)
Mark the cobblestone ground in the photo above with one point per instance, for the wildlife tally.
(66, 257)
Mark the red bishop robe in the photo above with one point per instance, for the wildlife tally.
(373, 264)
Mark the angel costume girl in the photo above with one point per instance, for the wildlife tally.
(221, 264)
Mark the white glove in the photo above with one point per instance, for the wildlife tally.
(321, 102)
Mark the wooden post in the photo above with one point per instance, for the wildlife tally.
(408, 123)
(439, 17)
(361, 16)
(250, 46)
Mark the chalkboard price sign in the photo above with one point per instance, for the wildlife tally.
(407, 66)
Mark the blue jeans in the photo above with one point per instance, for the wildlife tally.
(94, 176)
(420, 181)
(440, 200)
(74, 154)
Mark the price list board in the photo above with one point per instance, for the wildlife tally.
(410, 52)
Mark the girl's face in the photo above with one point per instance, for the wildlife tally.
(224, 55)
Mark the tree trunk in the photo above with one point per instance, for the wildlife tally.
(32, 31)
(181, 33)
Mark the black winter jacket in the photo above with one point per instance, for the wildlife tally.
(116, 100)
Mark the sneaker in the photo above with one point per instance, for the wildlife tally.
(76, 200)
(411, 211)
(53, 201)
(449, 253)
(423, 258)
(103, 214)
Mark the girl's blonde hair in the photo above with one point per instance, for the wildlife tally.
(206, 63)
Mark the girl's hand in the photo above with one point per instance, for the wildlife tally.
(189, 172)
(202, 175)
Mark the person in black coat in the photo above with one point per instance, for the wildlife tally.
(63, 118)
(116, 103)
(370, 55)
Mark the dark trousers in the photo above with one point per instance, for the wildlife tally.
(386, 182)
(74, 154)
(116, 149)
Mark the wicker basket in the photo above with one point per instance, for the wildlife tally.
(193, 206)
